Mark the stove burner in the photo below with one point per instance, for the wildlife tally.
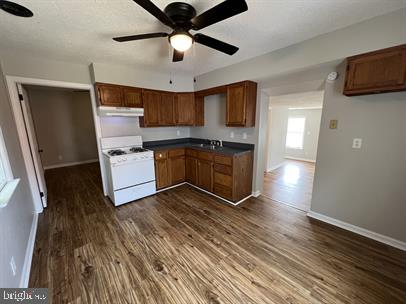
(138, 149)
(115, 152)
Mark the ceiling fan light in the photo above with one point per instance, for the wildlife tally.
(181, 42)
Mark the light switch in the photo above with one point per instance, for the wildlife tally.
(231, 134)
(357, 143)
(333, 123)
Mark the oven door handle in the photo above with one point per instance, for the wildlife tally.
(126, 163)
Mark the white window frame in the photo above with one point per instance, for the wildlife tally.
(8, 187)
(301, 147)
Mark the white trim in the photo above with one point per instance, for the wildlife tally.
(358, 230)
(256, 193)
(71, 164)
(301, 159)
(25, 272)
(6, 193)
(12, 82)
(212, 194)
(269, 169)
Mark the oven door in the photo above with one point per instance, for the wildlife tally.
(132, 173)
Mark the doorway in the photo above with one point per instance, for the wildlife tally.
(292, 138)
(43, 130)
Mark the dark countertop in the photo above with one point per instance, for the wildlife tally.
(229, 148)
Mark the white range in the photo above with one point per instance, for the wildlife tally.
(129, 168)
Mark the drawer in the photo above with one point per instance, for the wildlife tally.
(223, 169)
(176, 152)
(224, 160)
(222, 179)
(222, 191)
(161, 155)
(205, 155)
(191, 152)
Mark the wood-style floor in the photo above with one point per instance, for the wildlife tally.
(184, 246)
(291, 183)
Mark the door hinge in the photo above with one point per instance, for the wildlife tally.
(20, 97)
(41, 194)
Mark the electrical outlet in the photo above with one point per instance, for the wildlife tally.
(13, 266)
(231, 134)
(177, 132)
(333, 124)
(357, 143)
(244, 135)
(60, 157)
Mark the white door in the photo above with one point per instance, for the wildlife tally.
(32, 139)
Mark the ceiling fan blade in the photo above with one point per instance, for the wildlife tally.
(177, 56)
(155, 11)
(139, 37)
(216, 44)
(218, 13)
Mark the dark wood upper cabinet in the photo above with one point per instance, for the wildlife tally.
(376, 72)
(199, 111)
(132, 97)
(109, 95)
(185, 109)
(241, 104)
(166, 109)
(152, 102)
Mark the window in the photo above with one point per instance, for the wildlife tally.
(294, 137)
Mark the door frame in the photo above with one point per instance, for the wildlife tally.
(12, 82)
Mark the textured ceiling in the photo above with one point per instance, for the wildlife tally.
(81, 30)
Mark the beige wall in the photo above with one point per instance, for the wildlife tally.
(17, 217)
(64, 125)
(277, 127)
(215, 123)
(363, 187)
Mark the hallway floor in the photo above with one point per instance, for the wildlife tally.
(291, 184)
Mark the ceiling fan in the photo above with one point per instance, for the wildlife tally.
(181, 17)
(15, 9)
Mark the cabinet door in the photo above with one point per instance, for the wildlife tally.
(177, 169)
(205, 175)
(152, 100)
(236, 105)
(166, 109)
(191, 170)
(375, 72)
(162, 173)
(185, 109)
(132, 97)
(199, 111)
(109, 95)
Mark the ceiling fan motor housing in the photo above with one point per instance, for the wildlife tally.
(181, 13)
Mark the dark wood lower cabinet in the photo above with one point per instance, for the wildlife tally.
(191, 170)
(228, 176)
(205, 175)
(161, 174)
(177, 169)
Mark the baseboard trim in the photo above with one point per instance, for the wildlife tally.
(358, 230)
(256, 193)
(71, 164)
(212, 194)
(301, 159)
(275, 167)
(25, 273)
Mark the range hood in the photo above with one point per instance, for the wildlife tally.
(120, 111)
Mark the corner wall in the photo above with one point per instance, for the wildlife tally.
(364, 187)
(17, 217)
